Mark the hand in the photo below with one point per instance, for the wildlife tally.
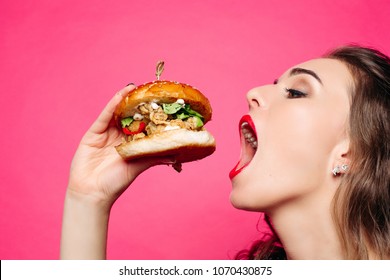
(97, 169)
(98, 176)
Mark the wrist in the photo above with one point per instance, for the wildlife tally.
(90, 200)
(85, 226)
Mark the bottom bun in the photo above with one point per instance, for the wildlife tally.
(182, 144)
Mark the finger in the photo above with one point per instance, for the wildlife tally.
(103, 121)
(137, 166)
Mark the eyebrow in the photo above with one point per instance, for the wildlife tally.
(298, 71)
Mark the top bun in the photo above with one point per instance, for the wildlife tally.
(163, 92)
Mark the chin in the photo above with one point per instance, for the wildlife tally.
(245, 203)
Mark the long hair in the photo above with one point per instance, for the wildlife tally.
(361, 206)
(362, 202)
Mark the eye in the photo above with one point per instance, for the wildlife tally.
(293, 93)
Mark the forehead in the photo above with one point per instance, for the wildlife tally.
(332, 72)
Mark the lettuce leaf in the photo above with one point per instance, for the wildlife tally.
(183, 113)
(172, 108)
(182, 116)
(126, 121)
(191, 112)
(199, 122)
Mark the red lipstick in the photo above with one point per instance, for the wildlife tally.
(234, 172)
(244, 158)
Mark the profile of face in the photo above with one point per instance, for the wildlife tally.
(293, 136)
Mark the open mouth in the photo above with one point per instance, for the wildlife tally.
(249, 144)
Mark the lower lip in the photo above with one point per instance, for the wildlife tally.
(234, 172)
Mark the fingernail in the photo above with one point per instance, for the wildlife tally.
(122, 93)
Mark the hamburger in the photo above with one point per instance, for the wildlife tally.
(165, 118)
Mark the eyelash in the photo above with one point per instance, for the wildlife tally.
(293, 93)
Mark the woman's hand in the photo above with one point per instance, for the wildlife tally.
(98, 176)
(97, 169)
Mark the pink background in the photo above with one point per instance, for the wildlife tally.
(61, 61)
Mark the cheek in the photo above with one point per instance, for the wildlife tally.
(292, 152)
(298, 135)
(298, 146)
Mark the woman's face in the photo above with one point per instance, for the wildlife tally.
(297, 129)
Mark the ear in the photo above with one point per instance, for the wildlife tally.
(341, 160)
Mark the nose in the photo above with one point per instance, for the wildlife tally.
(255, 98)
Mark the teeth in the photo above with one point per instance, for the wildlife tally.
(249, 136)
(244, 124)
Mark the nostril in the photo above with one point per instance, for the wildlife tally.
(254, 103)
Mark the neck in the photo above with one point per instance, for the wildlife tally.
(307, 230)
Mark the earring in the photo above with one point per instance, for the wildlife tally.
(337, 170)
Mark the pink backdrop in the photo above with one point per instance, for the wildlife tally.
(61, 61)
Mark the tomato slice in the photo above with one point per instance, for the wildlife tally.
(141, 128)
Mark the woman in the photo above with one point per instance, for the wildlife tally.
(322, 173)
